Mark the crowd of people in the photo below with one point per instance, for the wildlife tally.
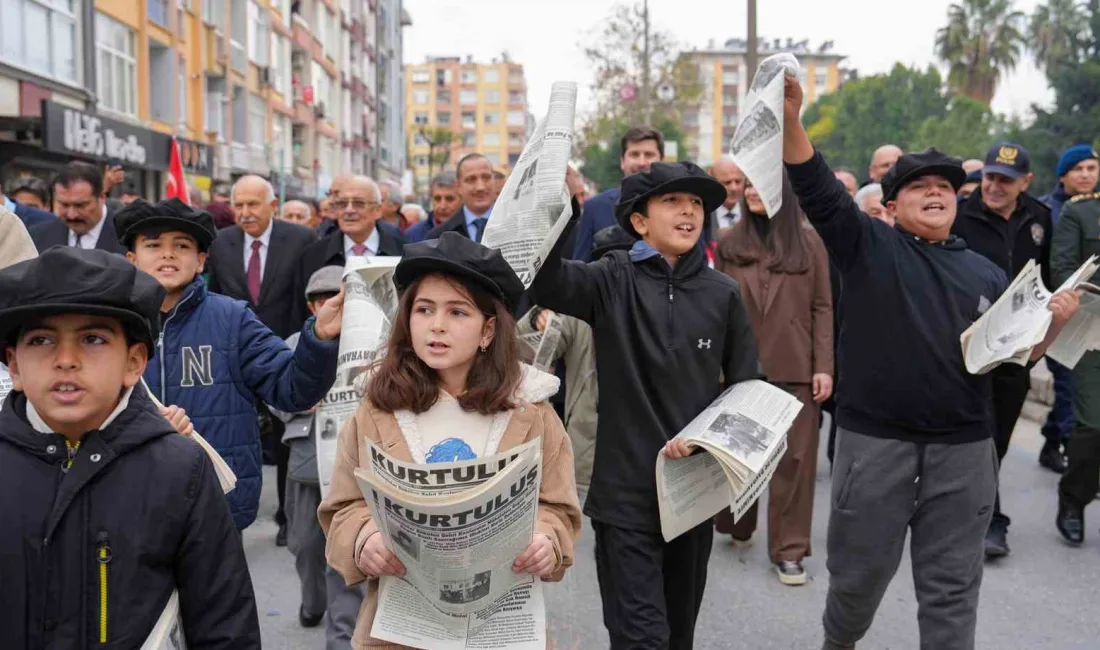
(124, 322)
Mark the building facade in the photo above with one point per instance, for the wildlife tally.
(726, 79)
(479, 107)
(280, 88)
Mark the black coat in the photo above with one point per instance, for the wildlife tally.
(227, 270)
(140, 513)
(1008, 244)
(457, 223)
(329, 251)
(667, 342)
(55, 233)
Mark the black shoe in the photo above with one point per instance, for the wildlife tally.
(309, 620)
(1051, 457)
(280, 539)
(996, 544)
(1071, 523)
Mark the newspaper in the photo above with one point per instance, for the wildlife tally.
(1017, 322)
(457, 528)
(1082, 333)
(370, 305)
(168, 633)
(757, 144)
(5, 384)
(744, 435)
(534, 207)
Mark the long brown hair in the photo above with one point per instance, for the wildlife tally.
(783, 248)
(401, 381)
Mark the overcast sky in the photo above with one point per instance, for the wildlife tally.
(546, 35)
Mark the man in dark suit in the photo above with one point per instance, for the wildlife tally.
(475, 186)
(83, 220)
(274, 243)
(446, 203)
(357, 209)
(255, 262)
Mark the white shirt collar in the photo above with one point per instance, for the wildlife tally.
(264, 238)
(39, 425)
(372, 243)
(90, 238)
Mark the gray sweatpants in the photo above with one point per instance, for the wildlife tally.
(882, 489)
(323, 590)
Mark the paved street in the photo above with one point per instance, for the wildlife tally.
(1044, 595)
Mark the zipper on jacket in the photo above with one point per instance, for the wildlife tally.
(103, 559)
(160, 346)
(670, 301)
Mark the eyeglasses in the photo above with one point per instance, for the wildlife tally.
(357, 204)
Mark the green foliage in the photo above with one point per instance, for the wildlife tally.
(982, 40)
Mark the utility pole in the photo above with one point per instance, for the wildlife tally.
(646, 104)
(750, 43)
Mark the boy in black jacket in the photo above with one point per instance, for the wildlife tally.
(109, 509)
(669, 332)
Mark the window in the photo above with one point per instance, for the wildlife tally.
(419, 140)
(157, 10)
(515, 98)
(420, 118)
(731, 76)
(469, 120)
(181, 115)
(443, 77)
(281, 139)
(238, 39)
(490, 139)
(490, 75)
(469, 76)
(513, 160)
(280, 64)
(215, 105)
(492, 96)
(517, 118)
(443, 118)
(116, 83)
(257, 34)
(443, 97)
(467, 97)
(516, 139)
(257, 120)
(420, 96)
(469, 139)
(213, 12)
(27, 25)
(493, 158)
(161, 86)
(421, 161)
(320, 24)
(821, 81)
(240, 114)
(421, 76)
(491, 118)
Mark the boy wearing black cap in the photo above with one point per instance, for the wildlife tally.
(657, 311)
(1003, 223)
(214, 357)
(109, 510)
(914, 448)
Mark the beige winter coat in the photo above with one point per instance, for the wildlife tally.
(15, 244)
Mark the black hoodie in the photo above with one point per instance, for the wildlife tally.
(138, 514)
(667, 343)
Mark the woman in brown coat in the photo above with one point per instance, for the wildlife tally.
(783, 270)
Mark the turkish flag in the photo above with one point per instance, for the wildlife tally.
(176, 184)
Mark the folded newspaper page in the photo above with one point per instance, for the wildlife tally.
(457, 527)
(1018, 321)
(5, 384)
(1082, 333)
(168, 632)
(534, 207)
(226, 478)
(757, 144)
(742, 435)
(370, 305)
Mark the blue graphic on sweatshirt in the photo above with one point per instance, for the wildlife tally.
(449, 451)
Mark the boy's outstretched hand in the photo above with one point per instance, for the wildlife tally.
(677, 448)
(539, 558)
(329, 317)
(376, 560)
(177, 417)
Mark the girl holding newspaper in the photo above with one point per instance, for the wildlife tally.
(450, 387)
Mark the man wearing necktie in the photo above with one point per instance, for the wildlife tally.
(475, 186)
(79, 204)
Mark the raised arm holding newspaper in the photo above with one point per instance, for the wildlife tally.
(908, 410)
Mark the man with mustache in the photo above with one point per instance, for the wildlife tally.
(79, 204)
(1004, 224)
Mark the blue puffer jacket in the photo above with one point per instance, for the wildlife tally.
(215, 359)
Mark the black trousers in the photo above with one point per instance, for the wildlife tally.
(651, 590)
(1082, 478)
(1010, 386)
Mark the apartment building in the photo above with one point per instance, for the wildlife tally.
(726, 80)
(280, 88)
(483, 106)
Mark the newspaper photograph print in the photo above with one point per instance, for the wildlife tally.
(757, 144)
(534, 207)
(5, 384)
(370, 305)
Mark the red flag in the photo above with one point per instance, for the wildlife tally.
(177, 185)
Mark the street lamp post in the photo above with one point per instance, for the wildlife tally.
(750, 42)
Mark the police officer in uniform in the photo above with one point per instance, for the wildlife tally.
(1077, 237)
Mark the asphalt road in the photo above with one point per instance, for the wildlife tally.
(1044, 595)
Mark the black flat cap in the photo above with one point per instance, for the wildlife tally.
(666, 178)
(171, 214)
(457, 255)
(912, 166)
(68, 280)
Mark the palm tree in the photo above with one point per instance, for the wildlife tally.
(982, 40)
(1056, 31)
